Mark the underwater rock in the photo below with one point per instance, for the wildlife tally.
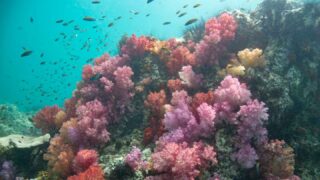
(13, 121)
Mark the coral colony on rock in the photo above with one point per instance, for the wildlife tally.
(237, 98)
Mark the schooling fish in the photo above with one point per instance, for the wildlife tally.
(26, 53)
(182, 14)
(196, 5)
(149, 1)
(59, 21)
(178, 12)
(119, 17)
(31, 19)
(41, 55)
(191, 21)
(42, 63)
(166, 23)
(88, 18)
(185, 6)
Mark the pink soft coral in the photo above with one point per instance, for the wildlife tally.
(92, 123)
(252, 118)
(134, 159)
(189, 77)
(232, 92)
(180, 161)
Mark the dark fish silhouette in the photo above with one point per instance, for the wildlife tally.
(110, 24)
(31, 19)
(185, 6)
(196, 5)
(42, 63)
(182, 14)
(191, 21)
(149, 1)
(166, 23)
(88, 18)
(26, 53)
(41, 55)
(147, 15)
(59, 21)
(95, 2)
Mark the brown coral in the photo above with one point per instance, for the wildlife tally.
(59, 156)
(277, 160)
(49, 119)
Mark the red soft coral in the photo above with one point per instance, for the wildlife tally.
(94, 172)
(179, 57)
(84, 159)
(136, 46)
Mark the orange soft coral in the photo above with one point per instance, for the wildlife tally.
(277, 160)
(174, 85)
(251, 58)
(94, 172)
(59, 157)
(49, 119)
(155, 102)
(65, 130)
(200, 98)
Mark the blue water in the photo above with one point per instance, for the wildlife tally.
(30, 85)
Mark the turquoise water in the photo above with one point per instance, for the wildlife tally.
(31, 85)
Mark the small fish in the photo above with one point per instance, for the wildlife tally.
(166, 23)
(65, 24)
(191, 21)
(59, 21)
(110, 24)
(57, 39)
(41, 55)
(182, 14)
(26, 53)
(31, 19)
(95, 2)
(149, 1)
(42, 63)
(178, 12)
(94, 27)
(147, 15)
(71, 21)
(136, 13)
(88, 18)
(119, 17)
(196, 5)
(185, 6)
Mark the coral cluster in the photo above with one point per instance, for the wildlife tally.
(167, 91)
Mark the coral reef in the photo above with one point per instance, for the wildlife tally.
(170, 109)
